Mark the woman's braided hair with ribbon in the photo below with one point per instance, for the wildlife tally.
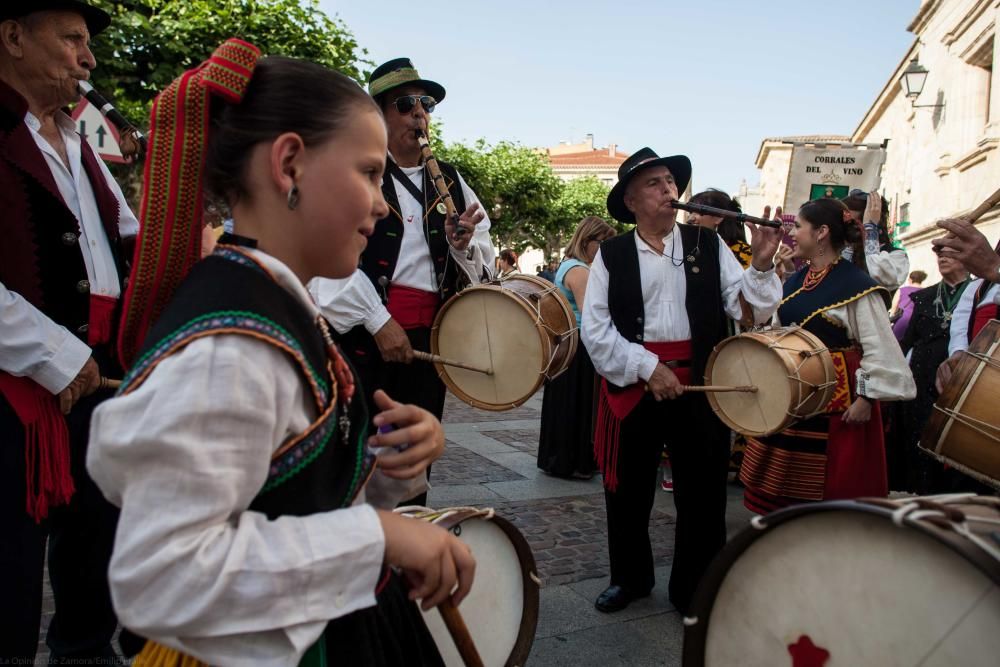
(172, 209)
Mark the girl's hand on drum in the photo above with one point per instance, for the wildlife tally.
(664, 384)
(415, 427)
(859, 412)
(437, 565)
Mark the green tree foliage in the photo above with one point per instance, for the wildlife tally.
(151, 42)
(527, 203)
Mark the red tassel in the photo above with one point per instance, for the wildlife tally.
(46, 445)
(606, 436)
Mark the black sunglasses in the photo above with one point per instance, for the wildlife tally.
(406, 103)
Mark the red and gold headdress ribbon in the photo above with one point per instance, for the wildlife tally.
(172, 210)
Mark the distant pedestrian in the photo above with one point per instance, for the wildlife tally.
(566, 442)
(507, 264)
(903, 309)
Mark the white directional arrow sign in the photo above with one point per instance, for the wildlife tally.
(98, 131)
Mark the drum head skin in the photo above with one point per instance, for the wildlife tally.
(501, 610)
(491, 329)
(838, 584)
(748, 361)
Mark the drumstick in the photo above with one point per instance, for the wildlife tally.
(108, 383)
(426, 356)
(460, 634)
(718, 388)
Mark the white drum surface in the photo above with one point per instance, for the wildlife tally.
(494, 607)
(745, 361)
(859, 587)
(491, 330)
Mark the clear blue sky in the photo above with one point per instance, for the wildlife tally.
(708, 78)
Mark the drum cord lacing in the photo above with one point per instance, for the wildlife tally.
(971, 422)
(806, 356)
(989, 361)
(536, 297)
(935, 508)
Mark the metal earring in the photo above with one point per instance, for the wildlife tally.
(293, 197)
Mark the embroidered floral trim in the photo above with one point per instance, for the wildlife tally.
(227, 321)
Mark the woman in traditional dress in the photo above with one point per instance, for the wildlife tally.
(733, 232)
(874, 252)
(566, 441)
(237, 447)
(838, 454)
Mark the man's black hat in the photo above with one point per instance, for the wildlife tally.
(96, 19)
(644, 158)
(400, 72)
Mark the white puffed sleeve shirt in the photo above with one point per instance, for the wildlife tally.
(184, 455)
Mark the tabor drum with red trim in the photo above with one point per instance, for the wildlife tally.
(912, 581)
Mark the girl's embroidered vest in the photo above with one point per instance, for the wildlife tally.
(382, 253)
(323, 468)
(843, 284)
(703, 303)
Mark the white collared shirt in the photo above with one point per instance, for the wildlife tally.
(959, 333)
(31, 344)
(184, 455)
(664, 291)
(349, 302)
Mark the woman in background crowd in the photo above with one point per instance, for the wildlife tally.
(507, 264)
(902, 309)
(566, 441)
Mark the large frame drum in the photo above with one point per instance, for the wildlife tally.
(964, 428)
(914, 581)
(791, 368)
(521, 328)
(501, 610)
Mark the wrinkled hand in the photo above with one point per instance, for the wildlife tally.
(859, 412)
(663, 384)
(764, 241)
(415, 427)
(873, 209)
(969, 246)
(945, 370)
(393, 343)
(467, 221)
(436, 564)
(85, 383)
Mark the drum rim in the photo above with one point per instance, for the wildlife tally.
(934, 428)
(696, 631)
(529, 588)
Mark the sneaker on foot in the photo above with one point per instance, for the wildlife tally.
(667, 485)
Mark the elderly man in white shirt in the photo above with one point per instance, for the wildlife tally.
(658, 301)
(415, 259)
(61, 268)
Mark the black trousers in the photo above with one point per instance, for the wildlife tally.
(80, 537)
(698, 445)
(417, 382)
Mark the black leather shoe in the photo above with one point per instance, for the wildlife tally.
(615, 598)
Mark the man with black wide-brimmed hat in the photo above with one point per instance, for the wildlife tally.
(658, 298)
(61, 271)
(415, 258)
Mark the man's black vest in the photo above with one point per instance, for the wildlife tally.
(703, 303)
(380, 257)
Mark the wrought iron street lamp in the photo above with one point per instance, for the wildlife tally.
(914, 78)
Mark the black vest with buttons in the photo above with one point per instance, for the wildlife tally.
(382, 253)
(40, 256)
(703, 303)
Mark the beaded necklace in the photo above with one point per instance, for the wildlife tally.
(814, 278)
(946, 300)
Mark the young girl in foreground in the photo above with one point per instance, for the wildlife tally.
(236, 449)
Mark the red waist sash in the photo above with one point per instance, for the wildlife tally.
(412, 308)
(614, 406)
(983, 315)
